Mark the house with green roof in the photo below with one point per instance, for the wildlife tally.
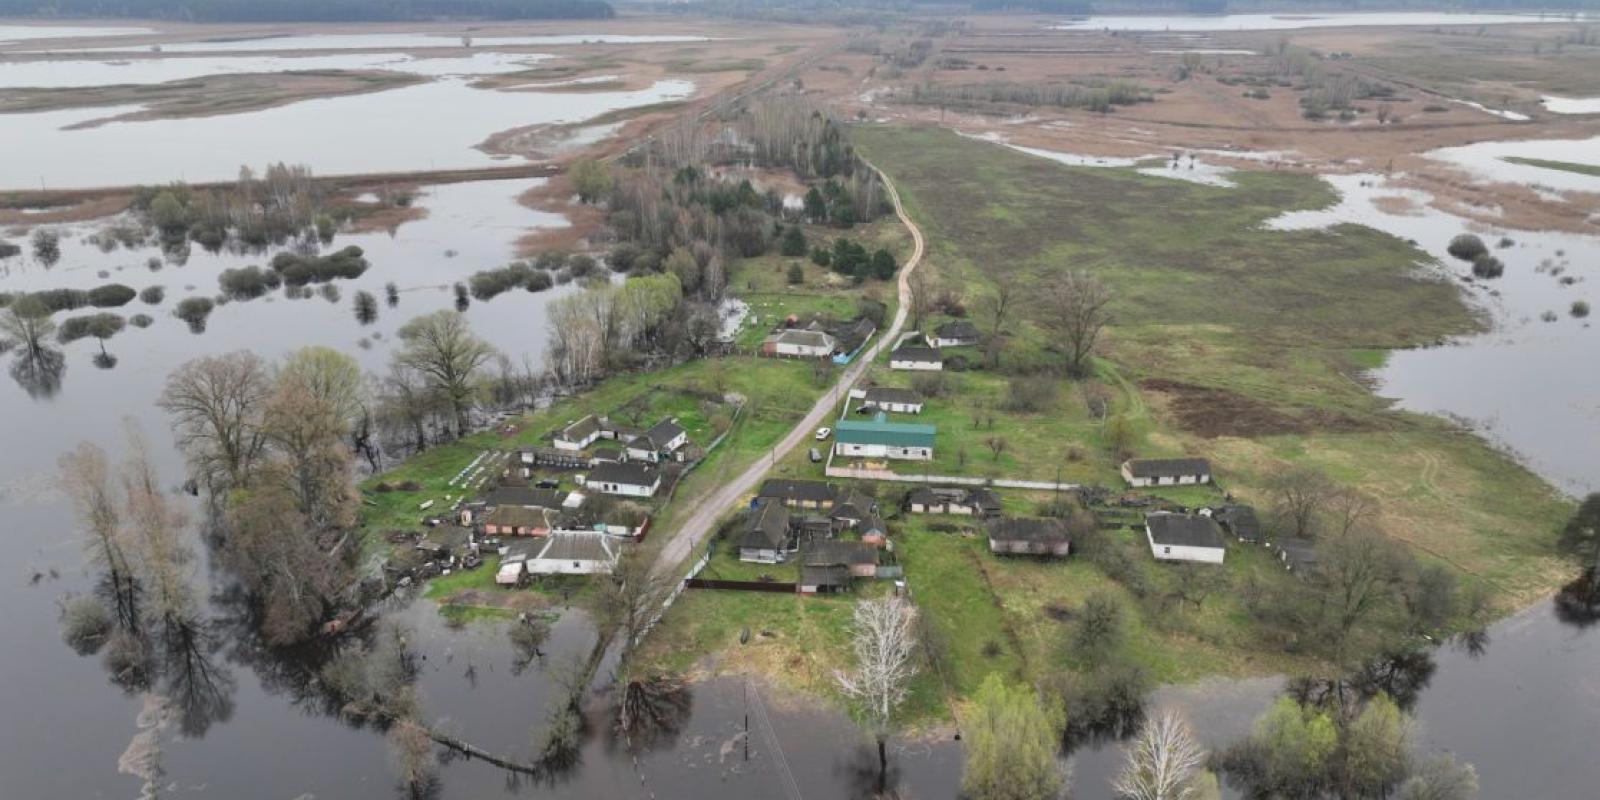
(880, 438)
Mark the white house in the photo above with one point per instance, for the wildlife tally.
(575, 553)
(1166, 471)
(799, 343)
(886, 398)
(956, 333)
(579, 434)
(916, 357)
(881, 439)
(666, 437)
(1182, 537)
(633, 479)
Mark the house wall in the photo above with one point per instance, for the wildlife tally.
(801, 350)
(1204, 555)
(554, 566)
(898, 408)
(854, 450)
(641, 454)
(863, 570)
(926, 366)
(938, 342)
(760, 555)
(628, 489)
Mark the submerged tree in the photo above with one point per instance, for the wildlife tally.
(442, 347)
(884, 638)
(1012, 740)
(1164, 762)
(216, 405)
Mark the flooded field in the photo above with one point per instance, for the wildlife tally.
(57, 74)
(334, 136)
(400, 41)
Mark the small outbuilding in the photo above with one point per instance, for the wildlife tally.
(1166, 471)
(1184, 537)
(888, 398)
(579, 434)
(1241, 522)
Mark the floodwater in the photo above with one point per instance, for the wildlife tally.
(55, 73)
(1487, 161)
(1276, 22)
(1519, 383)
(401, 41)
(434, 125)
(1572, 105)
(10, 34)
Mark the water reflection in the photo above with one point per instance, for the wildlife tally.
(39, 371)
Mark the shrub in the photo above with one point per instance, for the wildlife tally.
(8, 250)
(538, 282)
(486, 284)
(141, 320)
(793, 243)
(249, 282)
(62, 299)
(366, 308)
(1580, 308)
(796, 275)
(622, 257)
(153, 295)
(85, 624)
(930, 385)
(391, 294)
(582, 265)
(1030, 393)
(111, 295)
(551, 260)
(102, 325)
(299, 270)
(194, 310)
(1487, 266)
(1467, 247)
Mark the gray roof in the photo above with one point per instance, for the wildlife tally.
(984, 498)
(767, 527)
(1028, 529)
(580, 430)
(577, 547)
(957, 329)
(1183, 530)
(805, 338)
(915, 352)
(832, 575)
(663, 432)
(835, 552)
(1168, 467)
(1299, 553)
(890, 394)
(812, 491)
(1240, 521)
(851, 504)
(632, 473)
(525, 496)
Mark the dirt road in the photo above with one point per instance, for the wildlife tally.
(685, 541)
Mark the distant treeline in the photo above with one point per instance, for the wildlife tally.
(862, 10)
(311, 10)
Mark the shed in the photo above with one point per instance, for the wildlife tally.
(579, 434)
(1240, 521)
(799, 494)
(956, 333)
(1166, 471)
(916, 357)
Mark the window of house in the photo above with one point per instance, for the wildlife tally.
(1167, 551)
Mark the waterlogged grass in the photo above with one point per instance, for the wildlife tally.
(1564, 166)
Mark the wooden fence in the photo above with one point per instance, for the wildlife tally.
(741, 586)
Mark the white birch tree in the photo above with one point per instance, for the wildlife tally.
(884, 635)
(1164, 762)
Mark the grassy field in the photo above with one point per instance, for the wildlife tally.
(1241, 343)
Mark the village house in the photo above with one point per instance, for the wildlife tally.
(525, 496)
(579, 434)
(665, 438)
(851, 507)
(766, 538)
(1184, 537)
(1166, 471)
(1239, 521)
(798, 494)
(898, 401)
(605, 454)
(916, 357)
(850, 336)
(631, 479)
(833, 566)
(520, 521)
(967, 502)
(1027, 536)
(575, 553)
(880, 438)
(799, 343)
(873, 531)
(956, 333)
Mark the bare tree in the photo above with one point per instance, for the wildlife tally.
(996, 444)
(1357, 572)
(329, 375)
(1298, 496)
(884, 635)
(1348, 509)
(216, 403)
(155, 524)
(628, 600)
(308, 438)
(87, 479)
(918, 283)
(1164, 761)
(1074, 307)
(442, 347)
(995, 308)
(26, 324)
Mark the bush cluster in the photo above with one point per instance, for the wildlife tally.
(299, 270)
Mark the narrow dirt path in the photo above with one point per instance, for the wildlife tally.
(710, 505)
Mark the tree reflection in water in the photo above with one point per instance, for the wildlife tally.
(39, 371)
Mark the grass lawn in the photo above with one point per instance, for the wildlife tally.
(1564, 166)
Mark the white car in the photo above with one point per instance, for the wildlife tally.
(823, 433)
